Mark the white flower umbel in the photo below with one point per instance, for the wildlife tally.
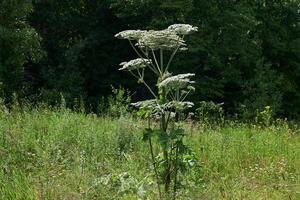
(179, 105)
(135, 64)
(177, 82)
(149, 104)
(164, 39)
(183, 29)
(130, 34)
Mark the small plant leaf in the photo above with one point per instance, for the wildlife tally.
(147, 134)
(164, 140)
(177, 133)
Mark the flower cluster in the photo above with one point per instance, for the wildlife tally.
(180, 81)
(165, 39)
(135, 64)
(183, 29)
(130, 34)
(168, 39)
(147, 104)
(179, 105)
(155, 110)
(154, 107)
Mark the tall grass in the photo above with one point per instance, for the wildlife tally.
(58, 154)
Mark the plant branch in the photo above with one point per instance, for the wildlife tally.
(143, 81)
(182, 98)
(172, 56)
(137, 52)
(153, 66)
(154, 57)
(162, 59)
(134, 74)
(149, 88)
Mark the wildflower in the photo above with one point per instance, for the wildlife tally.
(164, 39)
(135, 64)
(179, 105)
(130, 34)
(150, 104)
(183, 29)
(177, 82)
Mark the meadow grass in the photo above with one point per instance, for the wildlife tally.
(59, 154)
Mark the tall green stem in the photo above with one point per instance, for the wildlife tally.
(162, 60)
(175, 173)
(155, 60)
(155, 168)
(163, 127)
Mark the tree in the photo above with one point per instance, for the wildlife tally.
(244, 50)
(19, 44)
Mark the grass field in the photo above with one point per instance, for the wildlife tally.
(58, 154)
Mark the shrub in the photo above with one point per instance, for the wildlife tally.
(210, 113)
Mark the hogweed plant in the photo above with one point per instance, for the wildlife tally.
(167, 149)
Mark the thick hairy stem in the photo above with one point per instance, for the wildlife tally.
(162, 60)
(175, 173)
(155, 168)
(167, 174)
(163, 127)
(168, 119)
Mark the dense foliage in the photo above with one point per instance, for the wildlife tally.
(19, 44)
(246, 53)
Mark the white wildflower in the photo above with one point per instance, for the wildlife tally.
(172, 114)
(164, 39)
(149, 104)
(183, 49)
(183, 29)
(179, 81)
(135, 64)
(130, 34)
(188, 89)
(179, 105)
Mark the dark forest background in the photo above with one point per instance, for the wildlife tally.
(246, 53)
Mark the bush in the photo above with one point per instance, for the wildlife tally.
(209, 112)
(116, 105)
